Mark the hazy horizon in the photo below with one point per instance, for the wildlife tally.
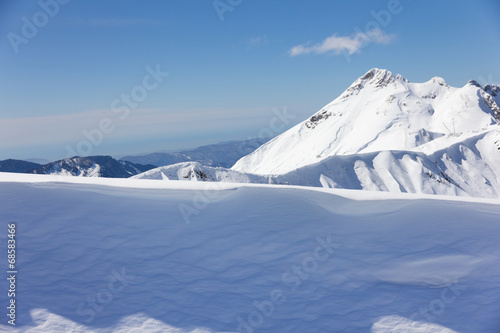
(106, 79)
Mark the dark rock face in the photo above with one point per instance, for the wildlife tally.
(317, 118)
(490, 94)
(379, 78)
(492, 89)
(493, 106)
(474, 83)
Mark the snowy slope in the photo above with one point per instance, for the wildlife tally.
(466, 168)
(194, 171)
(378, 112)
(109, 255)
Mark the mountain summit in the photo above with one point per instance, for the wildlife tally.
(381, 111)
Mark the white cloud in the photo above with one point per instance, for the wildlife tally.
(344, 44)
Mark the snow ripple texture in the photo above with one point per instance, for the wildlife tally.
(388, 264)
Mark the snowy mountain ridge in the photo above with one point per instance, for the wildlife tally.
(11, 165)
(382, 134)
(380, 111)
(195, 171)
(92, 166)
(466, 168)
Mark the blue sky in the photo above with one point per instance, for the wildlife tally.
(231, 64)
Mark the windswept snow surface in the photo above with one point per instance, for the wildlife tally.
(109, 255)
(379, 112)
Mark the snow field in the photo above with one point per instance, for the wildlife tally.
(253, 258)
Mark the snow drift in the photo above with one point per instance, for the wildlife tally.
(106, 255)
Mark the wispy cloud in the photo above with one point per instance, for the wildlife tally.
(336, 44)
(256, 41)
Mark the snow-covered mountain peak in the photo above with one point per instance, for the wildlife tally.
(375, 78)
(376, 72)
(438, 80)
(378, 112)
(474, 83)
(380, 77)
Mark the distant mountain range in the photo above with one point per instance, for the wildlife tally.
(92, 166)
(18, 166)
(218, 155)
(223, 154)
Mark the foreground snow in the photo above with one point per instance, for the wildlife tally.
(115, 254)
